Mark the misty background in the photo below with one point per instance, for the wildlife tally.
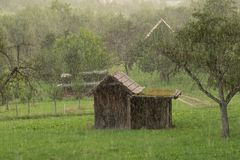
(120, 5)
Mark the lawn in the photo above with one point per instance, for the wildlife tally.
(46, 108)
(196, 134)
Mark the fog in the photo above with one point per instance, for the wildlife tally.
(9, 6)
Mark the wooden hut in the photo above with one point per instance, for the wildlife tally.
(119, 102)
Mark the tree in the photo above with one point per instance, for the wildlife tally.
(27, 95)
(55, 93)
(78, 86)
(152, 60)
(7, 95)
(210, 44)
(83, 51)
(120, 38)
(8, 72)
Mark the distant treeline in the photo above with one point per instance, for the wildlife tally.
(117, 5)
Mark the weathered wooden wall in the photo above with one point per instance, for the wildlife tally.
(115, 106)
(150, 112)
(110, 106)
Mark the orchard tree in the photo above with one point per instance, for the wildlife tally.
(7, 72)
(7, 95)
(78, 87)
(27, 92)
(120, 38)
(55, 93)
(83, 51)
(150, 59)
(16, 68)
(210, 44)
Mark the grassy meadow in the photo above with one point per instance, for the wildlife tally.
(47, 108)
(196, 134)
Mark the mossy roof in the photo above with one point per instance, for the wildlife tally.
(162, 93)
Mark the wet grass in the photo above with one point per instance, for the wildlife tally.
(196, 134)
(47, 108)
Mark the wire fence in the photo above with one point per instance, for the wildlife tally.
(46, 109)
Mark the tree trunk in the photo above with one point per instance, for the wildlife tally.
(55, 106)
(33, 102)
(29, 111)
(7, 105)
(224, 118)
(126, 68)
(16, 108)
(164, 77)
(3, 98)
(79, 107)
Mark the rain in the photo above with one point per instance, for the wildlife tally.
(119, 79)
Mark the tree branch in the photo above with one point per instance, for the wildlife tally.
(26, 78)
(7, 56)
(232, 93)
(200, 86)
(10, 76)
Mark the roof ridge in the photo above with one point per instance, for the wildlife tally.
(156, 26)
(129, 83)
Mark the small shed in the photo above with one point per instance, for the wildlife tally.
(119, 102)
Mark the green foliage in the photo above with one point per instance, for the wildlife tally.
(211, 42)
(2, 38)
(83, 51)
(78, 86)
(55, 92)
(120, 35)
(220, 8)
(151, 59)
(7, 94)
(26, 94)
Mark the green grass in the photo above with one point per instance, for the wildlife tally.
(47, 108)
(196, 134)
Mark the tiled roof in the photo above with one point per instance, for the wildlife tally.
(127, 82)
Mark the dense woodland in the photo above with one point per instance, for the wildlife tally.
(39, 40)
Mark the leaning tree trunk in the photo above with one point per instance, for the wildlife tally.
(224, 119)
